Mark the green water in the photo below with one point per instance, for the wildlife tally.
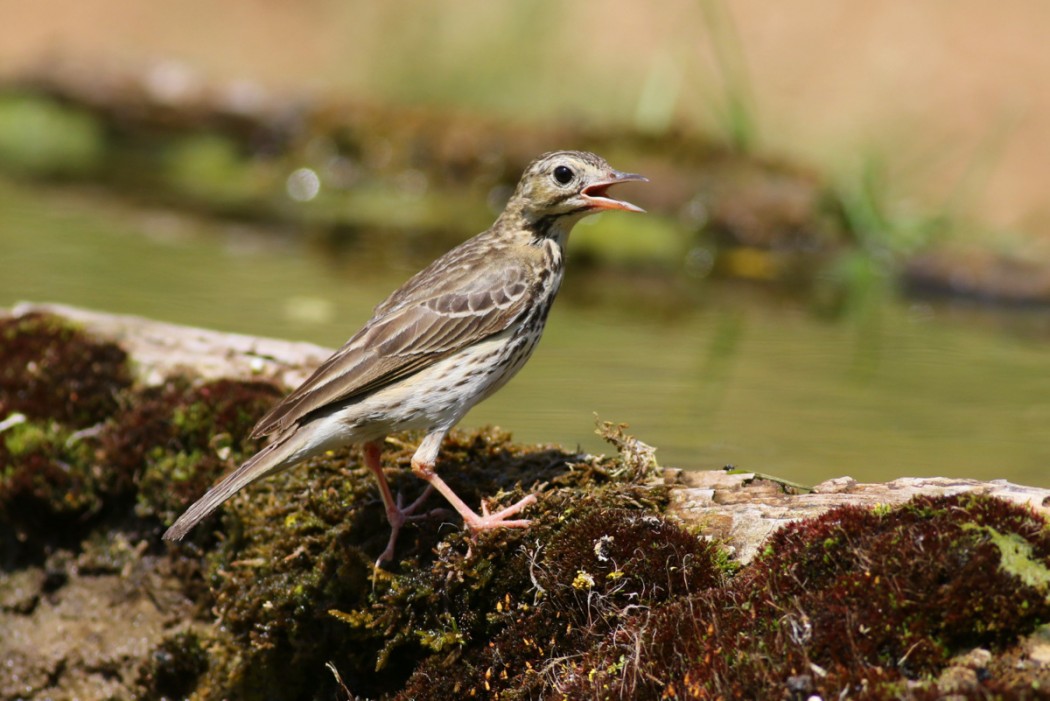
(902, 390)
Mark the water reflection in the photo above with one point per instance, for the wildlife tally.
(744, 377)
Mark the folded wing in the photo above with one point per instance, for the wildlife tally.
(416, 327)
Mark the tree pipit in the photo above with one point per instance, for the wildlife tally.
(452, 335)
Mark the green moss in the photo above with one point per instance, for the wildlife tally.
(48, 483)
(25, 438)
(292, 548)
(294, 585)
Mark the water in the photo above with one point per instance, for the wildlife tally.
(902, 390)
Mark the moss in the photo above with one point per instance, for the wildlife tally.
(282, 563)
(294, 584)
(157, 447)
(572, 582)
(173, 441)
(602, 597)
(47, 479)
(872, 600)
(173, 669)
(54, 379)
(922, 582)
(50, 369)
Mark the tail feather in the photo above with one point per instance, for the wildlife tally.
(271, 459)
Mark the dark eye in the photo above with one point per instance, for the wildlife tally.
(564, 175)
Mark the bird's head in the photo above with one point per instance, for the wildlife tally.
(560, 187)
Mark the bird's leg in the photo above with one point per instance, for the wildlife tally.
(423, 466)
(395, 513)
(410, 510)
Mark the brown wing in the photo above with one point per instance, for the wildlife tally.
(417, 326)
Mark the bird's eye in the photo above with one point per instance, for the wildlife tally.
(564, 175)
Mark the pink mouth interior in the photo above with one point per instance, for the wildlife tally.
(598, 194)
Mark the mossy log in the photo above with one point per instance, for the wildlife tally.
(622, 587)
(742, 508)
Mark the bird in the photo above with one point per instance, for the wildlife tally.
(448, 338)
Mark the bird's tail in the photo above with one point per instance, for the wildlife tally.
(273, 458)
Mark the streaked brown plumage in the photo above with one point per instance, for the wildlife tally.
(448, 338)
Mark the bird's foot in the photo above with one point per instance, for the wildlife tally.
(399, 515)
(500, 519)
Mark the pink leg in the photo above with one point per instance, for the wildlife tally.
(423, 466)
(395, 514)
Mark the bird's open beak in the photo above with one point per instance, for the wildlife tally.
(595, 194)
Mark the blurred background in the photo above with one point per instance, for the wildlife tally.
(845, 269)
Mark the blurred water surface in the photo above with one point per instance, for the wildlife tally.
(902, 389)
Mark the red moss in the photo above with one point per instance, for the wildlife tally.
(598, 568)
(162, 449)
(922, 582)
(49, 369)
(856, 600)
(633, 558)
(173, 441)
(46, 483)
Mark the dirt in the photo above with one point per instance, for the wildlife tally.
(73, 629)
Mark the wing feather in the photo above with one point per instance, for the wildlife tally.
(416, 326)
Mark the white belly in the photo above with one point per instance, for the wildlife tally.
(435, 397)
